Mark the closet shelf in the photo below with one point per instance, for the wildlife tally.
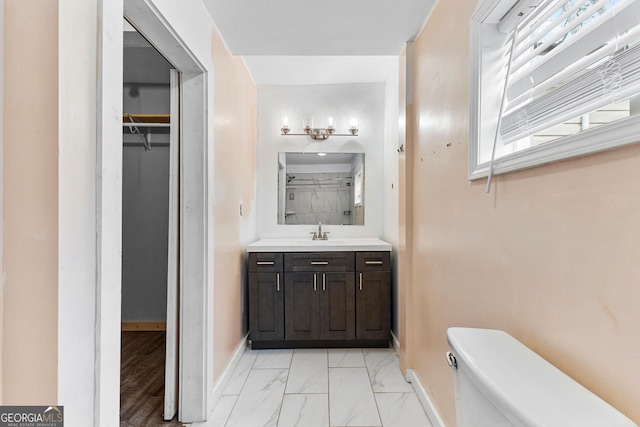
(146, 120)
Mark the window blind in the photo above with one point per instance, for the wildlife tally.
(570, 57)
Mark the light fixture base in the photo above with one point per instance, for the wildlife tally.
(318, 133)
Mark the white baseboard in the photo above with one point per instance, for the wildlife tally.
(425, 400)
(395, 342)
(226, 375)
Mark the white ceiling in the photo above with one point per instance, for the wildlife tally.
(281, 40)
(300, 70)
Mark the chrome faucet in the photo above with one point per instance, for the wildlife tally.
(319, 235)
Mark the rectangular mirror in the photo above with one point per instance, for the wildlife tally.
(321, 187)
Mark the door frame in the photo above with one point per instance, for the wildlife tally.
(1, 194)
(196, 292)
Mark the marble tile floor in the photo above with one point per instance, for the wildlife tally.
(318, 388)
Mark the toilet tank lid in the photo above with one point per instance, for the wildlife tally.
(526, 388)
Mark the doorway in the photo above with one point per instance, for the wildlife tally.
(149, 218)
(157, 22)
(194, 236)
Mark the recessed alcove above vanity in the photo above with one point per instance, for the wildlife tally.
(319, 293)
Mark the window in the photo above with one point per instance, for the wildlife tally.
(571, 70)
(357, 192)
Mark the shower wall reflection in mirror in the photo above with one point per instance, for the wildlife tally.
(321, 187)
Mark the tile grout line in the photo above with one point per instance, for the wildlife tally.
(241, 388)
(284, 392)
(328, 391)
(231, 411)
(369, 369)
(372, 390)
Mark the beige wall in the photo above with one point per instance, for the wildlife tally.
(404, 255)
(30, 240)
(551, 255)
(235, 110)
(31, 189)
(30, 203)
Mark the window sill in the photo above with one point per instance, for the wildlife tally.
(620, 133)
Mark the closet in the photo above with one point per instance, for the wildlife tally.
(145, 183)
(146, 160)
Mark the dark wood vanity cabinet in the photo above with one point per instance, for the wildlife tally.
(373, 310)
(266, 296)
(319, 296)
(337, 307)
(330, 299)
(319, 306)
(302, 307)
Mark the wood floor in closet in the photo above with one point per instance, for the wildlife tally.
(142, 380)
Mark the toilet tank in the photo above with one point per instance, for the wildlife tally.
(502, 383)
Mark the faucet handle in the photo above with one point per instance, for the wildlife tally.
(324, 235)
(315, 235)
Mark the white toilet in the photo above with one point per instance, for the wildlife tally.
(502, 383)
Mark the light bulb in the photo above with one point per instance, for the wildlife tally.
(353, 127)
(331, 124)
(285, 123)
(307, 124)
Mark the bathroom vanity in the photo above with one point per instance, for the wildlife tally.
(305, 293)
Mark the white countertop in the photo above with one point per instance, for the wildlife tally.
(308, 245)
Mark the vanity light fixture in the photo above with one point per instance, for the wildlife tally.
(318, 133)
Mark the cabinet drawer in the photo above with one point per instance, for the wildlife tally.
(319, 261)
(373, 261)
(266, 262)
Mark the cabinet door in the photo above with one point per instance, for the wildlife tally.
(266, 306)
(373, 305)
(301, 306)
(337, 306)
